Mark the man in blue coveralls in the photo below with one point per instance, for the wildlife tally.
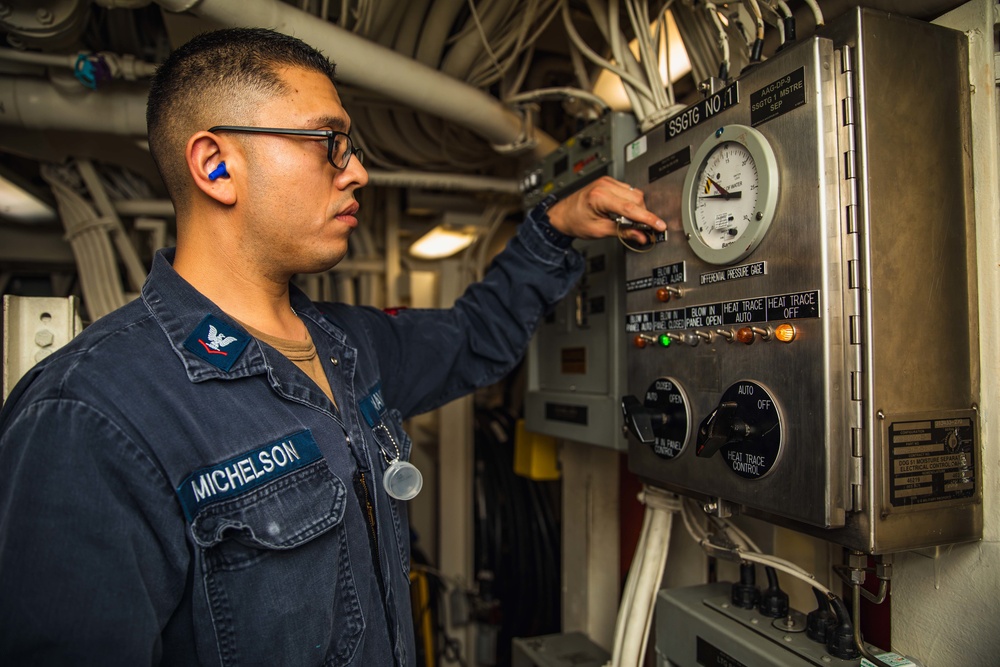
(197, 478)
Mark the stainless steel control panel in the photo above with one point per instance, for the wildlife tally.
(802, 340)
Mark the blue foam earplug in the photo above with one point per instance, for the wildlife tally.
(218, 172)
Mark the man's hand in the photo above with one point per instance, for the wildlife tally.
(588, 212)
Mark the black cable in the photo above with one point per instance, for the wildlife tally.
(520, 537)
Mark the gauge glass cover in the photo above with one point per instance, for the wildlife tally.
(730, 194)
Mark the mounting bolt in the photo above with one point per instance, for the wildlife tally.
(44, 16)
(44, 338)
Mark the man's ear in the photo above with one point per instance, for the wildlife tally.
(207, 164)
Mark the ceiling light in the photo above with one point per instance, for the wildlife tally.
(609, 87)
(443, 241)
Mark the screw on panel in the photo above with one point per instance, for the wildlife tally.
(44, 16)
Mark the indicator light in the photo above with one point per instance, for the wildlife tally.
(745, 335)
(785, 332)
(664, 294)
(639, 341)
(665, 340)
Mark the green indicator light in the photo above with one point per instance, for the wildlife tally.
(665, 340)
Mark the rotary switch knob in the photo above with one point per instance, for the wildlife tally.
(721, 428)
(662, 420)
(745, 429)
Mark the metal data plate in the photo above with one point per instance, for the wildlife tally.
(793, 276)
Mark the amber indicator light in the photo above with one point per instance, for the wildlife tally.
(785, 333)
(745, 335)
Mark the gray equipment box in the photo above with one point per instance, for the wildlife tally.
(576, 362)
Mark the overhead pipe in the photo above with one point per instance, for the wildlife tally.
(121, 66)
(43, 105)
(367, 65)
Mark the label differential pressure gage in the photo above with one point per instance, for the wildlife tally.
(730, 194)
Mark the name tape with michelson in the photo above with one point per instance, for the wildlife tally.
(247, 471)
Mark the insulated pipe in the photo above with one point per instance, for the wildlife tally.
(370, 66)
(41, 105)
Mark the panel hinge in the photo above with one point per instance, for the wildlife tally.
(855, 471)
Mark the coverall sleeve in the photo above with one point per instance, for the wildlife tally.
(428, 357)
(90, 569)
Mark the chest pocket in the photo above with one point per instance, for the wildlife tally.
(277, 575)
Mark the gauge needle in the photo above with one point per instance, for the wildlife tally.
(722, 191)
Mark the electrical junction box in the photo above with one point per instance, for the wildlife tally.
(803, 341)
(699, 625)
(576, 361)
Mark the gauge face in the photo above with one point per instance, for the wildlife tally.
(730, 194)
(726, 195)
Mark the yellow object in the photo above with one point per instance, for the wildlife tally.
(423, 621)
(535, 456)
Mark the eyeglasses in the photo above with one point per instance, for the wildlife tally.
(339, 147)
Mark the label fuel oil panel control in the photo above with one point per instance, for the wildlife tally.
(774, 330)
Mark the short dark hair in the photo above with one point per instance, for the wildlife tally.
(217, 78)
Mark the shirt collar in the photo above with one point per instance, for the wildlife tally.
(185, 315)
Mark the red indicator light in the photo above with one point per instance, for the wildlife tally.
(745, 335)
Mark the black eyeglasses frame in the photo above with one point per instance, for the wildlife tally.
(327, 134)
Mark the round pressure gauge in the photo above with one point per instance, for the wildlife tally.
(730, 194)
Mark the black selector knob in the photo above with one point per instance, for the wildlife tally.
(639, 419)
(722, 427)
(661, 421)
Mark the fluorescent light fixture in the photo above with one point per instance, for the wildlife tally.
(21, 206)
(443, 242)
(609, 87)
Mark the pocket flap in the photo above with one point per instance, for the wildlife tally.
(283, 514)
